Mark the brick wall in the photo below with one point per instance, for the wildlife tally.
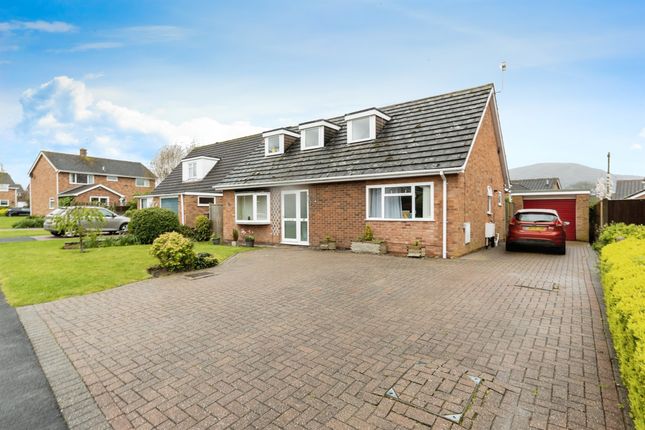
(582, 217)
(43, 187)
(192, 211)
(125, 186)
(98, 192)
(9, 196)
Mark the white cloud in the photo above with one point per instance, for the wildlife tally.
(92, 46)
(63, 112)
(45, 26)
(636, 146)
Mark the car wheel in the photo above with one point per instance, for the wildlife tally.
(510, 247)
(562, 250)
(56, 233)
(124, 228)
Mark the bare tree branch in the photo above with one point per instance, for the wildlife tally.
(168, 158)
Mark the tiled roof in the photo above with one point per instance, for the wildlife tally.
(230, 153)
(5, 178)
(98, 166)
(628, 187)
(427, 134)
(535, 184)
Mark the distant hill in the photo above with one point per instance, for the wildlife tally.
(571, 175)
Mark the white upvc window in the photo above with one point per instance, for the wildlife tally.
(252, 208)
(489, 193)
(4, 187)
(51, 203)
(142, 182)
(205, 200)
(101, 200)
(396, 202)
(312, 137)
(81, 178)
(361, 126)
(192, 170)
(146, 202)
(113, 179)
(4, 203)
(274, 145)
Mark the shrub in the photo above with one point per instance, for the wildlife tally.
(186, 231)
(174, 251)
(109, 241)
(3, 211)
(148, 224)
(204, 260)
(611, 232)
(29, 222)
(130, 212)
(623, 276)
(368, 235)
(202, 229)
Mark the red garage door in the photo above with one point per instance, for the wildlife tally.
(565, 207)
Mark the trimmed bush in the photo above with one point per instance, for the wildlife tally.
(204, 260)
(202, 229)
(3, 211)
(174, 251)
(148, 224)
(623, 276)
(29, 222)
(611, 232)
(186, 231)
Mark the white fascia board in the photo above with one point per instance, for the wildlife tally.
(412, 173)
(368, 112)
(206, 194)
(41, 154)
(550, 193)
(201, 157)
(636, 196)
(279, 132)
(90, 189)
(323, 123)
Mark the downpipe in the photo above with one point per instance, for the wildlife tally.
(444, 221)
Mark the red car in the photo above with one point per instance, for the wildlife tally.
(537, 227)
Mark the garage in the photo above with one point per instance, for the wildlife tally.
(572, 205)
(565, 207)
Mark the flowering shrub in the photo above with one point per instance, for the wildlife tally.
(611, 232)
(623, 277)
(174, 251)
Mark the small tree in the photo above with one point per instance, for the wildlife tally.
(79, 221)
(168, 158)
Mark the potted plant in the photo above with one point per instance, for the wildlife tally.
(249, 240)
(328, 243)
(216, 239)
(366, 244)
(416, 249)
(236, 235)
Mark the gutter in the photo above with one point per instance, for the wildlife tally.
(444, 220)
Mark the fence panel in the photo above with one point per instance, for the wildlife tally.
(216, 213)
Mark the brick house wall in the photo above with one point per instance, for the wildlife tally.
(191, 209)
(10, 196)
(97, 192)
(43, 187)
(125, 186)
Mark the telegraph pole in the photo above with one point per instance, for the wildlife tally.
(608, 184)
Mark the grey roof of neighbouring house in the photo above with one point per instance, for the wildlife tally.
(628, 187)
(427, 134)
(230, 153)
(5, 178)
(98, 166)
(535, 184)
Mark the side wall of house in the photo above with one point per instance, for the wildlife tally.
(43, 187)
(125, 186)
(484, 169)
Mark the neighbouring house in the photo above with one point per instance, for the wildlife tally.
(547, 193)
(9, 191)
(85, 179)
(431, 170)
(536, 184)
(629, 189)
(188, 190)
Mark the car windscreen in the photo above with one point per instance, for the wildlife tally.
(535, 217)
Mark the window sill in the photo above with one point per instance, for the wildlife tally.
(247, 222)
(361, 140)
(401, 219)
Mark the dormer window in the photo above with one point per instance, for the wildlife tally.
(196, 168)
(364, 125)
(277, 141)
(314, 134)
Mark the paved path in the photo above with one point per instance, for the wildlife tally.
(26, 399)
(290, 338)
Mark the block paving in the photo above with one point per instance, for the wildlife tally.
(295, 338)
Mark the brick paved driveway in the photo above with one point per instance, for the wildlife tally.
(291, 338)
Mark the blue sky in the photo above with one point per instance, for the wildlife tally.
(123, 78)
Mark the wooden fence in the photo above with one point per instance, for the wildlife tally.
(216, 213)
(615, 211)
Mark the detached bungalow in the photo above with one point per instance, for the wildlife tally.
(86, 179)
(188, 190)
(431, 170)
(629, 189)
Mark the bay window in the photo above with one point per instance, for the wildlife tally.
(401, 202)
(252, 208)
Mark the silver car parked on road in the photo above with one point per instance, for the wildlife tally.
(112, 222)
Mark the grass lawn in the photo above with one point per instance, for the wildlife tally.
(65, 273)
(7, 221)
(18, 233)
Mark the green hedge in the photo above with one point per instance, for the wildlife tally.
(149, 224)
(3, 211)
(29, 222)
(611, 232)
(623, 277)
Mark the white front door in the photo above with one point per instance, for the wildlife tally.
(295, 217)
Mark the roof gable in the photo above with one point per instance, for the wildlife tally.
(429, 134)
(5, 178)
(536, 184)
(95, 165)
